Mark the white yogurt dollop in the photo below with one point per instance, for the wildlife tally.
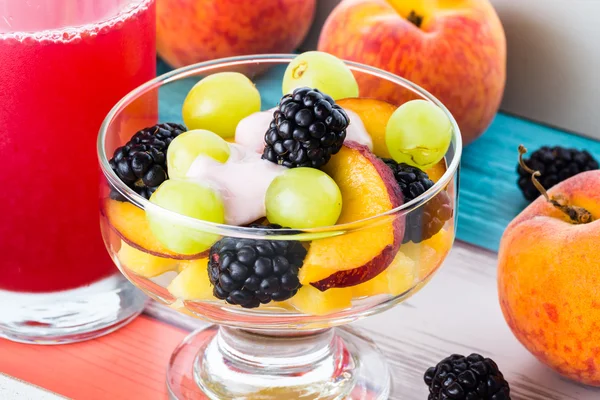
(251, 130)
(356, 131)
(242, 182)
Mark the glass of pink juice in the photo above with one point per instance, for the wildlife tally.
(63, 65)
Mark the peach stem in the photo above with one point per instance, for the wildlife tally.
(578, 215)
(415, 18)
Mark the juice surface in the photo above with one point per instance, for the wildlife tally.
(56, 87)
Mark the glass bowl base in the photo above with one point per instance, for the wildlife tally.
(229, 363)
(71, 315)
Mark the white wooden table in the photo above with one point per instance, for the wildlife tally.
(457, 312)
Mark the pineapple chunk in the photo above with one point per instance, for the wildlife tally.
(142, 263)
(192, 283)
(310, 300)
(429, 254)
(395, 280)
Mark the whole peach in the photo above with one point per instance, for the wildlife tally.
(456, 49)
(190, 31)
(549, 280)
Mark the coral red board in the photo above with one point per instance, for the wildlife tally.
(129, 364)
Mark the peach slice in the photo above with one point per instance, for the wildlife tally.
(436, 172)
(374, 115)
(192, 283)
(312, 301)
(368, 188)
(129, 222)
(142, 263)
(395, 280)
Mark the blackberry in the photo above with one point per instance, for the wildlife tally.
(555, 164)
(427, 220)
(466, 378)
(142, 162)
(307, 128)
(248, 272)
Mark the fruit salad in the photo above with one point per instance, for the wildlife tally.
(330, 198)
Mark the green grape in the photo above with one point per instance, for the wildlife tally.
(184, 149)
(418, 133)
(316, 69)
(189, 199)
(218, 102)
(303, 198)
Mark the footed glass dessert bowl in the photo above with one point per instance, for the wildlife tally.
(279, 197)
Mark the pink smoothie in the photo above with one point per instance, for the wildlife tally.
(56, 87)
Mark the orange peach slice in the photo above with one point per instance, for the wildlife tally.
(368, 188)
(436, 172)
(374, 115)
(129, 222)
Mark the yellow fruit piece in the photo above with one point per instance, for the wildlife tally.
(429, 254)
(183, 264)
(441, 241)
(192, 283)
(142, 263)
(396, 279)
(310, 300)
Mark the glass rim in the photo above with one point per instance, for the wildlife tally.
(250, 232)
(57, 34)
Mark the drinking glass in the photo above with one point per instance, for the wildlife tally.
(63, 65)
(298, 348)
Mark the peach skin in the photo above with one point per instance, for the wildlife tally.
(191, 31)
(549, 278)
(456, 49)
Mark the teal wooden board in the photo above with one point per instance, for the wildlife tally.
(488, 196)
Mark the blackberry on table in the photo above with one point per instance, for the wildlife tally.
(466, 378)
(142, 162)
(555, 164)
(248, 272)
(427, 220)
(307, 128)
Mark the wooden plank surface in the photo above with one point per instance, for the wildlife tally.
(12, 388)
(457, 312)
